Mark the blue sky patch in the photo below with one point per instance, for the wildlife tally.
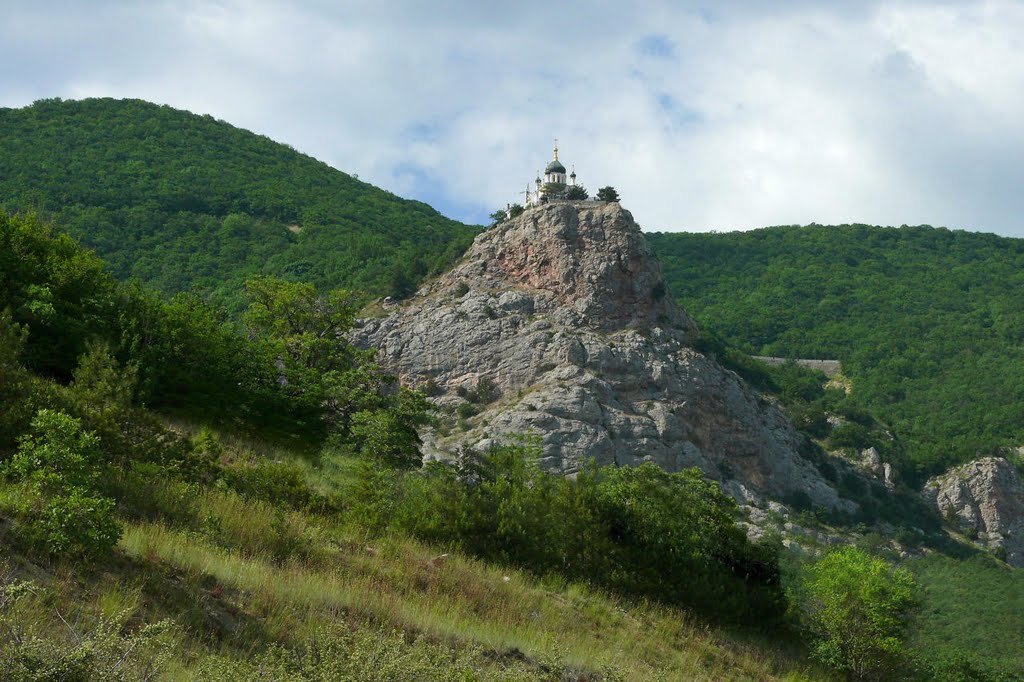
(657, 45)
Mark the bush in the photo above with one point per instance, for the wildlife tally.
(58, 454)
(798, 500)
(851, 435)
(466, 410)
(62, 464)
(340, 654)
(487, 391)
(76, 525)
(102, 382)
(675, 539)
(274, 482)
(146, 491)
(810, 418)
(14, 410)
(204, 460)
(100, 651)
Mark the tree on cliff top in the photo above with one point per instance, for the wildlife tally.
(577, 193)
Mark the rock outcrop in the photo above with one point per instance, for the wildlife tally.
(986, 497)
(558, 323)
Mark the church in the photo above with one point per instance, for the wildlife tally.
(554, 178)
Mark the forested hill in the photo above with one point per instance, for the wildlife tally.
(928, 322)
(186, 202)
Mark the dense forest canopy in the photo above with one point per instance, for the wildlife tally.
(928, 322)
(188, 203)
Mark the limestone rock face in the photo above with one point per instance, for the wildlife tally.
(986, 495)
(558, 324)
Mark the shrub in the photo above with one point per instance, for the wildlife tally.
(29, 652)
(852, 484)
(431, 388)
(340, 654)
(810, 418)
(851, 435)
(274, 482)
(62, 465)
(390, 435)
(375, 499)
(76, 525)
(145, 491)
(102, 382)
(675, 538)
(486, 391)
(57, 454)
(798, 500)
(14, 380)
(203, 461)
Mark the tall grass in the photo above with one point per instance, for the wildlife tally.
(402, 584)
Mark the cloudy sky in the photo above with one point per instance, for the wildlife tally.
(704, 115)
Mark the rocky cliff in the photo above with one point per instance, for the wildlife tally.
(559, 324)
(986, 497)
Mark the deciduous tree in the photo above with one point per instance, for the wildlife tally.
(856, 608)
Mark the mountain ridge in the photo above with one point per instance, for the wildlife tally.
(186, 202)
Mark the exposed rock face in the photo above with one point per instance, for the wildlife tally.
(871, 462)
(986, 495)
(565, 312)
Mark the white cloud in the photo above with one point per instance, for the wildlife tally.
(704, 116)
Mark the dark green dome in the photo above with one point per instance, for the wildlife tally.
(555, 167)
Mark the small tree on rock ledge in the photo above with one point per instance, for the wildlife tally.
(577, 193)
(607, 194)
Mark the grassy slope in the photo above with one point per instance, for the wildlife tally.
(926, 321)
(185, 202)
(238, 575)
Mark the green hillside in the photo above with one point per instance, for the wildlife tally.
(188, 203)
(155, 523)
(927, 322)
